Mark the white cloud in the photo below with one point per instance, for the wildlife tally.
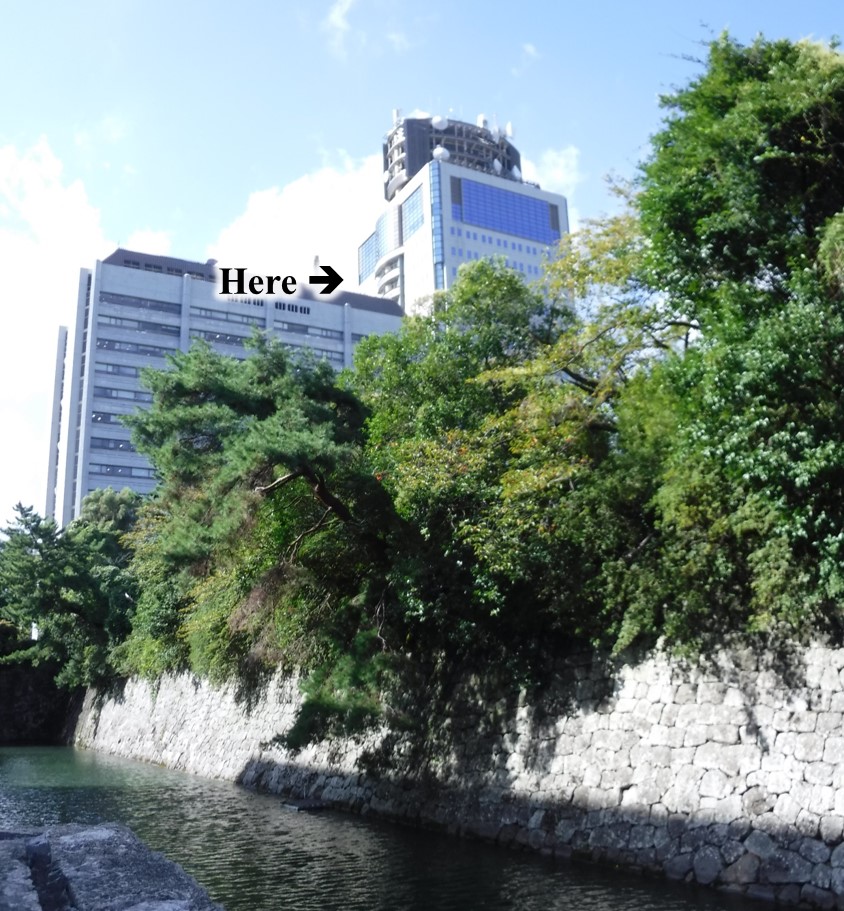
(327, 213)
(528, 55)
(48, 229)
(558, 170)
(336, 24)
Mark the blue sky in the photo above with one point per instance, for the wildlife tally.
(252, 133)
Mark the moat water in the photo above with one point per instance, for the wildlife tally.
(252, 854)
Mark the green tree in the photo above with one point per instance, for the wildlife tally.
(268, 537)
(741, 202)
(745, 175)
(494, 426)
(73, 584)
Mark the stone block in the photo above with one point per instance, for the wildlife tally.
(686, 693)
(729, 714)
(760, 844)
(662, 735)
(788, 894)
(836, 880)
(723, 733)
(742, 871)
(664, 846)
(761, 892)
(658, 815)
(809, 747)
(617, 778)
(682, 798)
(624, 704)
(831, 828)
(829, 721)
(715, 784)
(822, 876)
(641, 836)
(834, 750)
(707, 864)
(787, 808)
(786, 742)
(711, 692)
(677, 867)
(817, 898)
(799, 722)
(732, 850)
(695, 713)
(836, 860)
(723, 810)
(786, 867)
(682, 756)
(777, 782)
(821, 799)
(813, 850)
(696, 734)
(641, 795)
(819, 773)
(807, 823)
(738, 759)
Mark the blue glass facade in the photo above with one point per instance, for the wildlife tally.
(437, 225)
(385, 238)
(412, 214)
(499, 209)
(368, 256)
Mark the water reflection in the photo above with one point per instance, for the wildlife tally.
(251, 854)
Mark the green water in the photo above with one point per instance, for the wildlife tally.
(252, 854)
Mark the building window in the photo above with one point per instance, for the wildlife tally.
(129, 395)
(110, 443)
(138, 325)
(504, 210)
(412, 216)
(108, 344)
(117, 369)
(218, 338)
(123, 471)
(106, 417)
(139, 303)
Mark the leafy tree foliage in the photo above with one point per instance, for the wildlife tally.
(73, 585)
(741, 201)
(745, 175)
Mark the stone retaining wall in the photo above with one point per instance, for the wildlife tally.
(729, 774)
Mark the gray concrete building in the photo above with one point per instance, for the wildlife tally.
(133, 310)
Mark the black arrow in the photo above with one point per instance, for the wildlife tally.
(331, 279)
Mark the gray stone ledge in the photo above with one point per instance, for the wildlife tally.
(92, 868)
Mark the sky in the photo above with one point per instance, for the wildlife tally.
(252, 133)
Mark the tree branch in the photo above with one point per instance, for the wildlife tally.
(318, 485)
(280, 482)
(294, 547)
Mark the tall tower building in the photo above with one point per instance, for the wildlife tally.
(133, 310)
(454, 193)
